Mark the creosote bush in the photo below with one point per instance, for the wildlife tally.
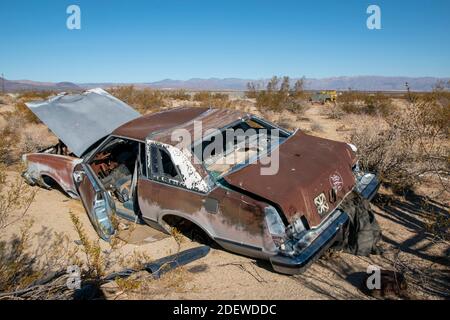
(278, 95)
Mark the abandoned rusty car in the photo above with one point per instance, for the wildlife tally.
(120, 163)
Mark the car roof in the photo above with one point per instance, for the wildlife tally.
(158, 126)
(141, 127)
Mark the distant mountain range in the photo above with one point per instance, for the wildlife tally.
(363, 83)
(21, 85)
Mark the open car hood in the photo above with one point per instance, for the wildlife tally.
(80, 120)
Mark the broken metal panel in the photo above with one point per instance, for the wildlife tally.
(158, 267)
(166, 264)
(80, 120)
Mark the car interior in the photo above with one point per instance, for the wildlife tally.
(116, 167)
(240, 150)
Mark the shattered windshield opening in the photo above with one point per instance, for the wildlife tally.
(238, 145)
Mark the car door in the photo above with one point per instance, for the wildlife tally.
(153, 181)
(96, 200)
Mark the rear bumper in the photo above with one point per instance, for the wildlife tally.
(326, 235)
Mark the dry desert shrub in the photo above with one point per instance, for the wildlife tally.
(278, 95)
(35, 138)
(408, 145)
(22, 111)
(334, 112)
(15, 198)
(241, 104)
(353, 102)
(9, 138)
(16, 265)
(286, 123)
(317, 127)
(178, 95)
(35, 271)
(35, 95)
(210, 99)
(19, 137)
(95, 264)
(143, 100)
(17, 133)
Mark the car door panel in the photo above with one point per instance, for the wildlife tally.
(96, 200)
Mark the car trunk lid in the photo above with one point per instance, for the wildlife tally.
(314, 175)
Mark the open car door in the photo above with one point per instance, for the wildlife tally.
(96, 200)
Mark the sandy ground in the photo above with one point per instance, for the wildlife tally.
(223, 275)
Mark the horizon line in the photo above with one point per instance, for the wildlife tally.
(226, 78)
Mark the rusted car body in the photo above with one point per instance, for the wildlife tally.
(131, 166)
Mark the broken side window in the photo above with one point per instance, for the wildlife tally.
(162, 166)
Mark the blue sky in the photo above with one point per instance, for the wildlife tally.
(142, 41)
